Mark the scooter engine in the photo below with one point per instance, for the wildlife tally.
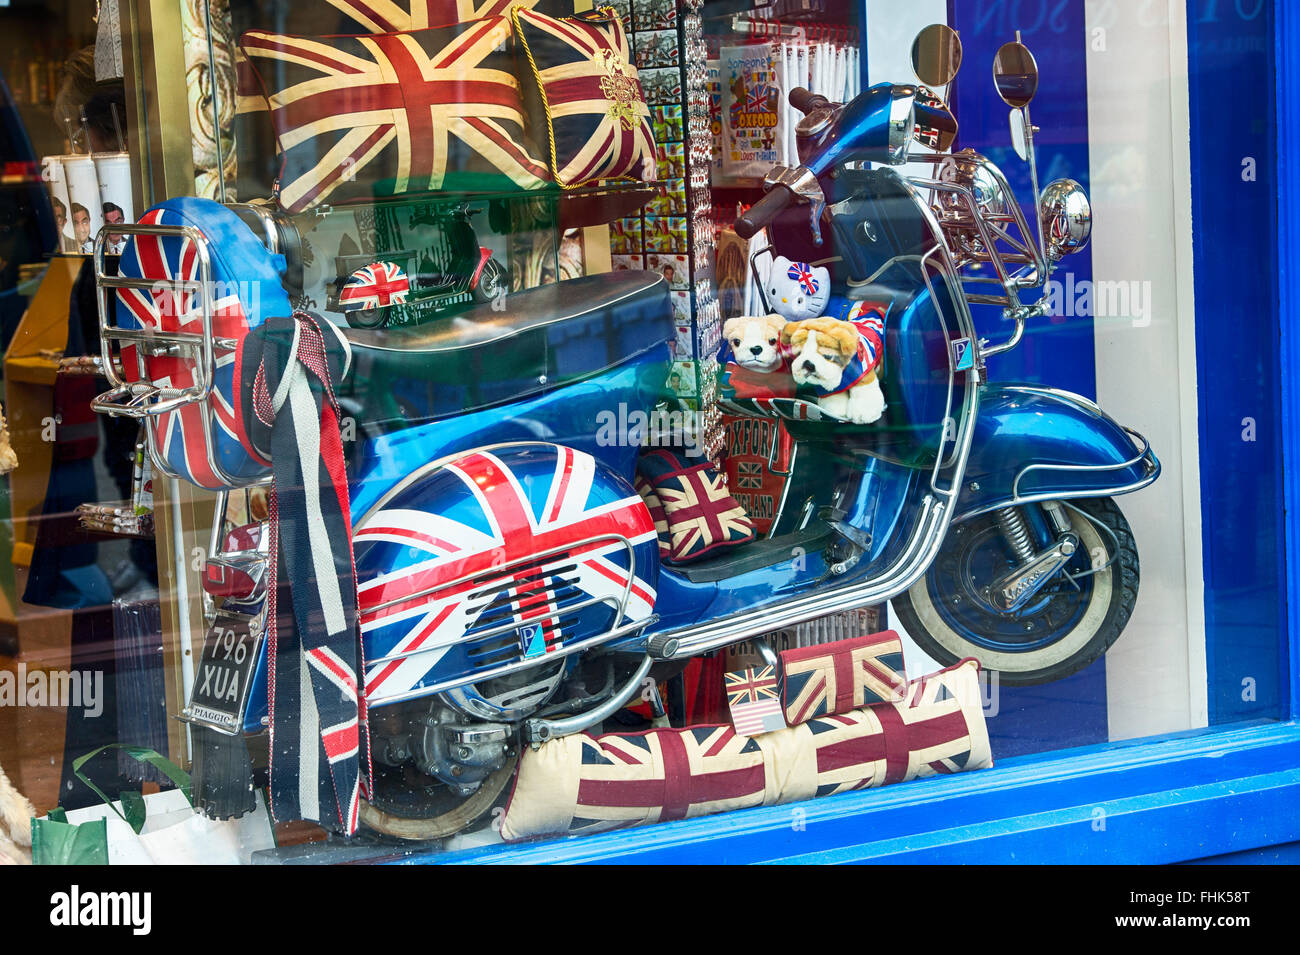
(440, 742)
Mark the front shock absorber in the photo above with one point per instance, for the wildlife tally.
(1015, 530)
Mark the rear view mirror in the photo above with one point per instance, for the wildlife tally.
(936, 55)
(1015, 74)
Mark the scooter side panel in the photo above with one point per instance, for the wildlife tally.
(1024, 425)
(498, 558)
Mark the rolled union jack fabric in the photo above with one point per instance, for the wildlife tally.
(841, 676)
(589, 95)
(584, 784)
(361, 117)
(320, 755)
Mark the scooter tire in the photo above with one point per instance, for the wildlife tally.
(493, 281)
(1111, 596)
(446, 824)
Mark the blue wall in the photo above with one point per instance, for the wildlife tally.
(1233, 110)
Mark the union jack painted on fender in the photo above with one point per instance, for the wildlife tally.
(375, 286)
(395, 113)
(844, 675)
(460, 571)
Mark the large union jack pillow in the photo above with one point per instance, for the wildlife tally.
(587, 94)
(254, 137)
(363, 117)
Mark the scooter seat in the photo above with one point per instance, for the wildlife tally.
(541, 339)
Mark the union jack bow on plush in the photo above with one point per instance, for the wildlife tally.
(375, 286)
(501, 552)
(394, 113)
(801, 272)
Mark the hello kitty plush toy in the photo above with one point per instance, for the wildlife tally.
(797, 290)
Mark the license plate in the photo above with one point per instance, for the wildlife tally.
(224, 672)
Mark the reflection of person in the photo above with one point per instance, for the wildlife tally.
(60, 214)
(113, 215)
(81, 227)
(81, 98)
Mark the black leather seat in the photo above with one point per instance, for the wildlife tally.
(543, 338)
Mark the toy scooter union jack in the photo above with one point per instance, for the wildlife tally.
(508, 583)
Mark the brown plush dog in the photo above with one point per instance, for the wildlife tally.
(839, 361)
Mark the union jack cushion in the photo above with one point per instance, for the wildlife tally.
(254, 137)
(362, 117)
(701, 515)
(583, 784)
(588, 94)
(657, 514)
(831, 678)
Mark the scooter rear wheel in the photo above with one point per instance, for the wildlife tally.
(402, 823)
(1067, 626)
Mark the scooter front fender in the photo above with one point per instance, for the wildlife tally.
(1034, 443)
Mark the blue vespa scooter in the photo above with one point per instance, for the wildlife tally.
(509, 578)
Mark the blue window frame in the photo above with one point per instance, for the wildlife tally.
(1217, 792)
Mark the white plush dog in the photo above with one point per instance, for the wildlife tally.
(15, 825)
(758, 366)
(839, 361)
(755, 342)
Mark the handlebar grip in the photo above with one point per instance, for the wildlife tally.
(763, 211)
(805, 101)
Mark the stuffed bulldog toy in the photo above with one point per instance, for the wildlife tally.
(757, 366)
(839, 360)
(835, 343)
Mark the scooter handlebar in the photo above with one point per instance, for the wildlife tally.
(764, 211)
(805, 101)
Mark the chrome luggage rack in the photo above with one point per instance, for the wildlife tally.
(143, 399)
